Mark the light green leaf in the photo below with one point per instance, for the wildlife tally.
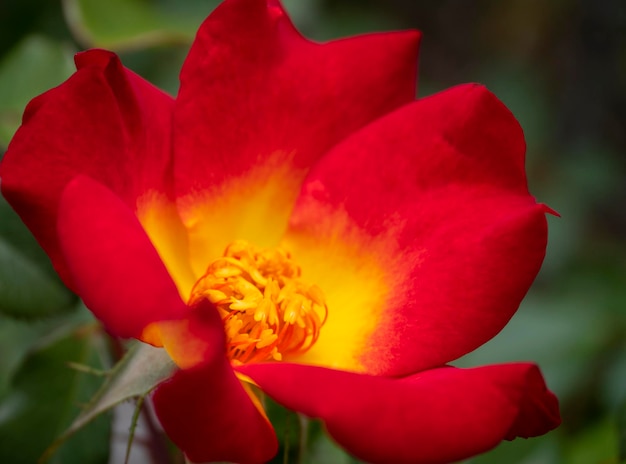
(44, 396)
(34, 66)
(132, 24)
(136, 375)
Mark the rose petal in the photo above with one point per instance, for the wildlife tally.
(104, 122)
(421, 232)
(258, 104)
(115, 267)
(437, 416)
(197, 339)
(207, 413)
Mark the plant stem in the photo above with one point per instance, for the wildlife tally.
(157, 447)
(133, 427)
(286, 439)
(304, 437)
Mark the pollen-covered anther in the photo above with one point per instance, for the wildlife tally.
(268, 312)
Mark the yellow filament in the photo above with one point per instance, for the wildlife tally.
(267, 311)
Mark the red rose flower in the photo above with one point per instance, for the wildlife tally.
(295, 220)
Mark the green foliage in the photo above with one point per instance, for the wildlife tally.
(302, 440)
(25, 290)
(14, 232)
(621, 438)
(324, 449)
(595, 444)
(29, 288)
(43, 396)
(136, 375)
(132, 24)
(31, 68)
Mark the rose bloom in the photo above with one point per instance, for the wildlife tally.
(295, 222)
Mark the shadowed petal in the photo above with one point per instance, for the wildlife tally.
(115, 267)
(105, 122)
(437, 416)
(208, 414)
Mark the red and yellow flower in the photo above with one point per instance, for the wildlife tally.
(295, 220)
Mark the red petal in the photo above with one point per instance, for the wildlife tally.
(258, 104)
(105, 122)
(429, 208)
(437, 416)
(197, 339)
(115, 267)
(206, 412)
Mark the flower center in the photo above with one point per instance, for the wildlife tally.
(267, 310)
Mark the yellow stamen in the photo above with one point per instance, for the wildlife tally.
(267, 311)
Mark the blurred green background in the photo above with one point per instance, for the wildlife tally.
(560, 65)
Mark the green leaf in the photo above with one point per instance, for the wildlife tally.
(561, 327)
(132, 24)
(19, 338)
(13, 230)
(34, 66)
(135, 24)
(324, 449)
(25, 290)
(16, 338)
(45, 394)
(621, 430)
(304, 13)
(544, 449)
(29, 286)
(136, 375)
(596, 443)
